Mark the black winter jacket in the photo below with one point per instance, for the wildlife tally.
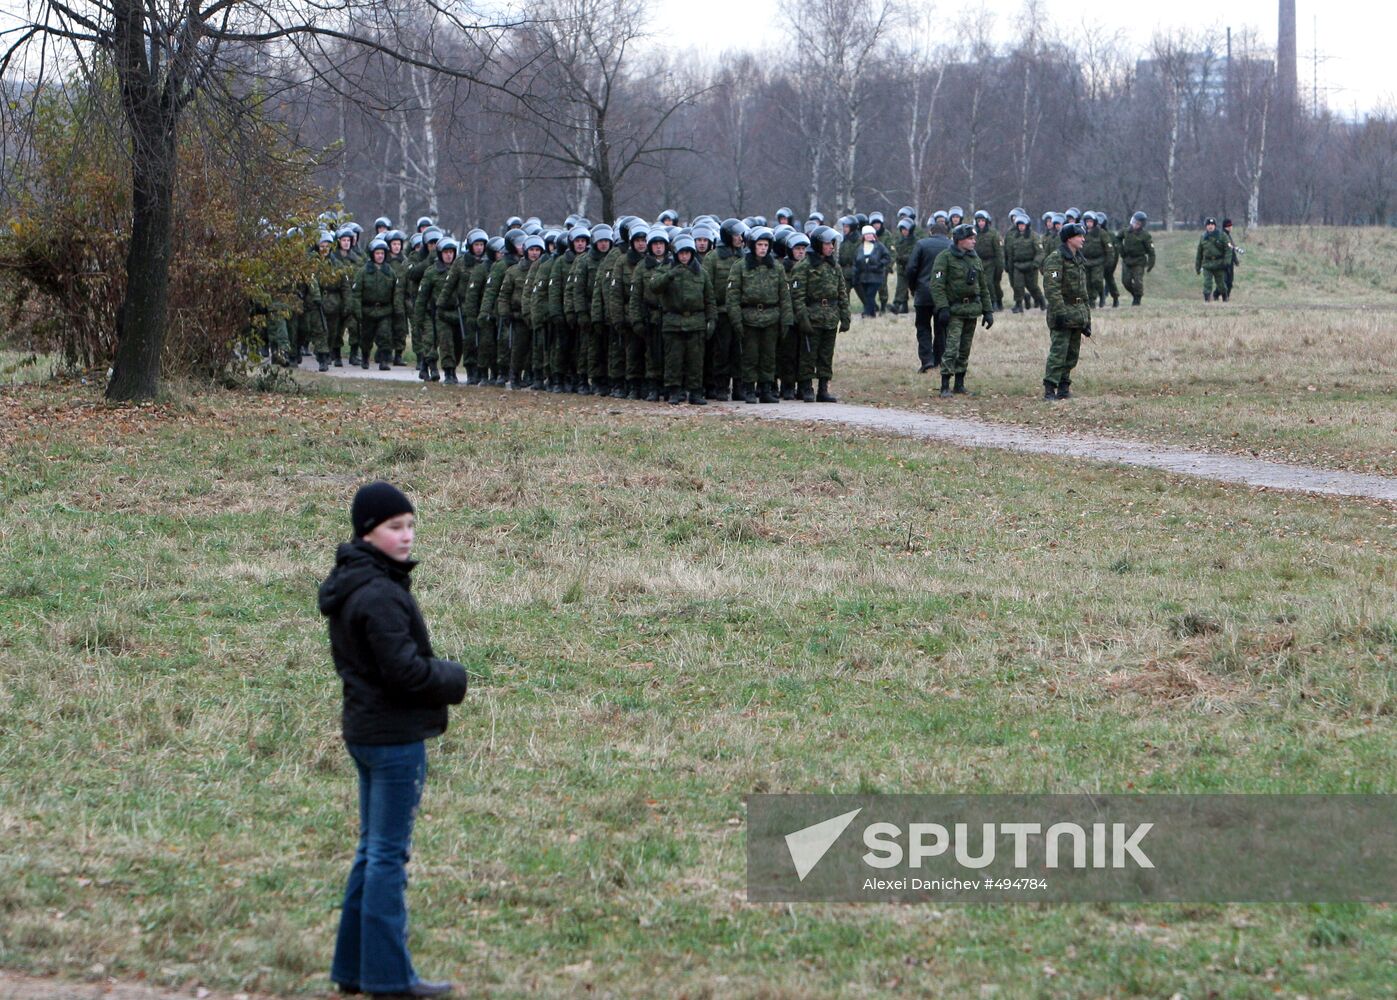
(395, 690)
(919, 266)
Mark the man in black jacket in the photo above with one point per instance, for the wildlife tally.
(396, 695)
(930, 345)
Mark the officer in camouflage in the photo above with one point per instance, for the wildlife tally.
(1069, 310)
(820, 304)
(990, 249)
(961, 293)
(1137, 256)
(1213, 255)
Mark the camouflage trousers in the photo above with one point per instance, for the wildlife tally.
(1024, 282)
(817, 353)
(960, 337)
(1063, 348)
(1133, 277)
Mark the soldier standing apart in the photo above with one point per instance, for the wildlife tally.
(690, 314)
(1214, 251)
(820, 303)
(759, 305)
(1069, 310)
(871, 263)
(961, 293)
(1137, 256)
(1231, 257)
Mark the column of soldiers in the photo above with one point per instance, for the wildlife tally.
(641, 311)
(719, 310)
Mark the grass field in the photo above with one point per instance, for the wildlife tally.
(663, 612)
(1300, 365)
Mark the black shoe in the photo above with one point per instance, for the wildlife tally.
(676, 396)
(417, 991)
(347, 989)
(339, 361)
(397, 357)
(807, 394)
(767, 394)
(697, 399)
(1135, 300)
(583, 389)
(324, 362)
(749, 392)
(1207, 296)
(824, 395)
(1101, 303)
(739, 392)
(960, 390)
(945, 386)
(923, 369)
(652, 394)
(1063, 390)
(1049, 391)
(1016, 310)
(364, 360)
(1115, 301)
(432, 374)
(618, 391)
(711, 393)
(556, 387)
(788, 390)
(448, 376)
(383, 366)
(353, 358)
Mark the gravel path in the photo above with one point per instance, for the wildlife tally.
(1216, 466)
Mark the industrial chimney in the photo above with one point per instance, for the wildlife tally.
(1285, 58)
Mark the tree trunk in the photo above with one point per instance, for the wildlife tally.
(1171, 156)
(141, 326)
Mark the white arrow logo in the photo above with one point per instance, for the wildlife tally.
(809, 845)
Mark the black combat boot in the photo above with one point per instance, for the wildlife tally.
(339, 360)
(383, 359)
(1016, 310)
(353, 357)
(711, 392)
(676, 395)
(432, 374)
(1049, 391)
(788, 390)
(807, 394)
(1207, 296)
(618, 391)
(1101, 302)
(448, 376)
(767, 393)
(555, 384)
(1064, 390)
(960, 389)
(697, 399)
(1115, 301)
(397, 358)
(945, 385)
(323, 361)
(1135, 300)
(364, 359)
(422, 369)
(749, 392)
(823, 395)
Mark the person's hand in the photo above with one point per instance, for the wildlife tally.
(943, 316)
(1197, 270)
(806, 328)
(844, 326)
(988, 320)
(1086, 330)
(1149, 267)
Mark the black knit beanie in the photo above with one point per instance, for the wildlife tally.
(376, 503)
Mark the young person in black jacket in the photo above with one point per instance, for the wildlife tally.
(395, 698)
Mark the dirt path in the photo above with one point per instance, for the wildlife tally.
(1216, 466)
(14, 986)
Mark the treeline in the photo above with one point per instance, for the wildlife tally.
(854, 112)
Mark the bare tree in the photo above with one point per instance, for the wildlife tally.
(837, 39)
(1180, 70)
(167, 54)
(593, 120)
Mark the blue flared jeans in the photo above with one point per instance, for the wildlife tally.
(371, 948)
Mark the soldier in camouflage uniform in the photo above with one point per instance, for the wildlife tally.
(1094, 251)
(436, 327)
(690, 311)
(418, 262)
(961, 292)
(376, 300)
(820, 305)
(990, 249)
(494, 318)
(312, 319)
(585, 274)
(1214, 254)
(902, 253)
(627, 362)
(723, 358)
(536, 309)
(759, 305)
(1112, 258)
(788, 346)
(1137, 256)
(514, 290)
(1069, 310)
(1021, 261)
(644, 313)
(334, 289)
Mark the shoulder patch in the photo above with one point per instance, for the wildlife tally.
(1054, 274)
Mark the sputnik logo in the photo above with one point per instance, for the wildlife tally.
(809, 845)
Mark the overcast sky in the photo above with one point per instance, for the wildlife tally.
(1357, 41)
